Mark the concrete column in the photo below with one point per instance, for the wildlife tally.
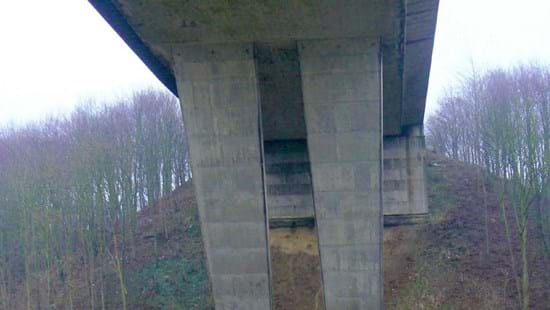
(342, 100)
(404, 181)
(218, 91)
(396, 176)
(416, 152)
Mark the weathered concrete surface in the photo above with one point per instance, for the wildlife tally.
(280, 91)
(417, 174)
(404, 28)
(288, 180)
(342, 99)
(219, 96)
(288, 176)
(404, 180)
(420, 20)
(396, 176)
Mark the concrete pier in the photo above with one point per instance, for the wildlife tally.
(341, 90)
(404, 189)
(342, 99)
(221, 113)
(294, 109)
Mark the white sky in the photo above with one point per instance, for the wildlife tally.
(58, 53)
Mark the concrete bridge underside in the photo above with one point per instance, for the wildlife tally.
(294, 110)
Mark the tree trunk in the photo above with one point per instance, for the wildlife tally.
(524, 269)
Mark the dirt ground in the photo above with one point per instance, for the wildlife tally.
(444, 263)
(296, 266)
(455, 260)
(296, 272)
(296, 269)
(399, 260)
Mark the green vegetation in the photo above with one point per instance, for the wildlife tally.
(174, 283)
(440, 203)
(420, 290)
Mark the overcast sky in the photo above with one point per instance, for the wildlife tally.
(56, 54)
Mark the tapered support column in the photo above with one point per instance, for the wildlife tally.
(218, 91)
(341, 89)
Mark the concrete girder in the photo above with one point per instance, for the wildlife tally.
(405, 28)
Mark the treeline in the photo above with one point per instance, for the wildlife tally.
(500, 120)
(70, 192)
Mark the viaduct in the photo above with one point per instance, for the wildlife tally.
(294, 110)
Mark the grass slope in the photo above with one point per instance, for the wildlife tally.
(441, 264)
(444, 264)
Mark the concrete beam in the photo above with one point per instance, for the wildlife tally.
(420, 23)
(405, 28)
